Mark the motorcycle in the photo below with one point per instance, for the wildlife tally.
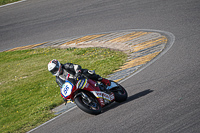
(91, 96)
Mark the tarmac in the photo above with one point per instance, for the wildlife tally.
(142, 46)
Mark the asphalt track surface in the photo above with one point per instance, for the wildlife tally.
(163, 97)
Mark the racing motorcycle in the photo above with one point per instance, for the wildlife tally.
(91, 96)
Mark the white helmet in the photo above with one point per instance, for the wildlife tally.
(54, 67)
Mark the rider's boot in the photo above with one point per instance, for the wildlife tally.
(105, 81)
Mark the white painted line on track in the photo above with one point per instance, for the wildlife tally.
(52, 119)
(12, 3)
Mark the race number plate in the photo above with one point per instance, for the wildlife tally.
(66, 89)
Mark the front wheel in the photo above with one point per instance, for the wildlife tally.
(88, 103)
(120, 93)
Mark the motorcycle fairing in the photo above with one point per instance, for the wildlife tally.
(66, 89)
(112, 85)
(99, 94)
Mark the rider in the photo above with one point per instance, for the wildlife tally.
(72, 72)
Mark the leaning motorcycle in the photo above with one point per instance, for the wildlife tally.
(91, 96)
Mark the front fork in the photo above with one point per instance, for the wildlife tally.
(84, 96)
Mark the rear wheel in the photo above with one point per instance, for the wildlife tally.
(88, 103)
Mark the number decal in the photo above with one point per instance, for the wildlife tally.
(66, 89)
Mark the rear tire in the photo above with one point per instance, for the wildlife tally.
(92, 107)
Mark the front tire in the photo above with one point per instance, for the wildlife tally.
(120, 93)
(90, 105)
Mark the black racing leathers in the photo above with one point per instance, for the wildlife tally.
(70, 70)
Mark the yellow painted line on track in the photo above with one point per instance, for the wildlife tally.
(83, 39)
(149, 44)
(129, 37)
(25, 47)
(117, 80)
(138, 61)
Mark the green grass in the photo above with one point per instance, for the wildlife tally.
(3, 2)
(28, 91)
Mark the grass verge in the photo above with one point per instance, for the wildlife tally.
(3, 2)
(28, 91)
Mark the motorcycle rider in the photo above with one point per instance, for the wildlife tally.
(72, 72)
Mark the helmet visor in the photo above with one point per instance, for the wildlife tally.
(55, 69)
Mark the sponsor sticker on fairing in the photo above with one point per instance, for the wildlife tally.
(112, 96)
(81, 83)
(103, 95)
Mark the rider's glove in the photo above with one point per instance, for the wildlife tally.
(78, 74)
